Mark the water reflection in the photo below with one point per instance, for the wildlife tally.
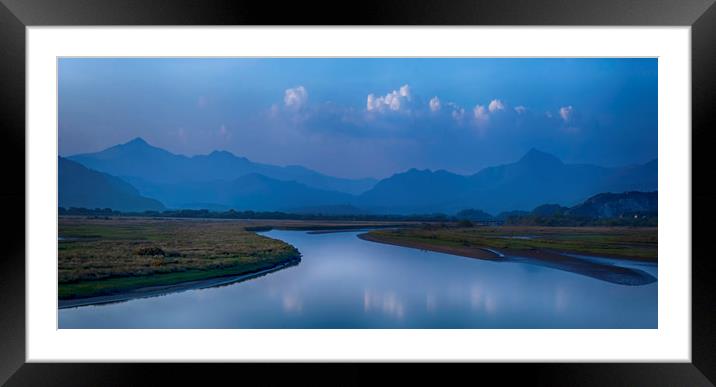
(387, 303)
(345, 282)
(291, 303)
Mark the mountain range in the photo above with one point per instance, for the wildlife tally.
(141, 163)
(221, 180)
(536, 178)
(85, 188)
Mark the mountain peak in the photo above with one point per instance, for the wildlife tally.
(137, 141)
(537, 156)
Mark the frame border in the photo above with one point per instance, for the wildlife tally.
(15, 15)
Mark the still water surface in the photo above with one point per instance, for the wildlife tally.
(345, 282)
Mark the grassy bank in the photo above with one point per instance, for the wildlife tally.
(101, 256)
(110, 256)
(629, 243)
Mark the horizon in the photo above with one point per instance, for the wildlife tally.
(365, 117)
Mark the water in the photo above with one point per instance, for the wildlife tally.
(345, 282)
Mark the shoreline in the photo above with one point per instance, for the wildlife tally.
(159, 290)
(552, 259)
(469, 252)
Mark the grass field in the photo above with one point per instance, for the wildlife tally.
(105, 256)
(631, 243)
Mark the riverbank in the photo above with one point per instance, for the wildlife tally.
(106, 259)
(110, 257)
(158, 290)
(501, 251)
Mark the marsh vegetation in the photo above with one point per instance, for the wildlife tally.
(640, 243)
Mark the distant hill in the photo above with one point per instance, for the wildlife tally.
(632, 208)
(260, 193)
(508, 214)
(79, 186)
(474, 215)
(549, 210)
(415, 191)
(144, 164)
(249, 192)
(536, 178)
(340, 209)
(618, 205)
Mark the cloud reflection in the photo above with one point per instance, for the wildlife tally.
(292, 303)
(388, 303)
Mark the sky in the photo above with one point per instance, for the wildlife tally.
(365, 117)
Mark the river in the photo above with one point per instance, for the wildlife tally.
(346, 282)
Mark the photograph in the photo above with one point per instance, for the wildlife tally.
(357, 192)
(507, 189)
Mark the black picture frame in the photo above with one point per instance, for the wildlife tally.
(15, 15)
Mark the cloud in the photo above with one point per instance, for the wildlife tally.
(434, 104)
(481, 114)
(495, 105)
(566, 113)
(458, 113)
(395, 100)
(405, 91)
(295, 98)
(402, 112)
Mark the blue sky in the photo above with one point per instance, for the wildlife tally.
(360, 117)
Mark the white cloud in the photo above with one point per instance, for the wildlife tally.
(520, 109)
(434, 104)
(296, 97)
(495, 105)
(566, 112)
(480, 113)
(391, 101)
(405, 91)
